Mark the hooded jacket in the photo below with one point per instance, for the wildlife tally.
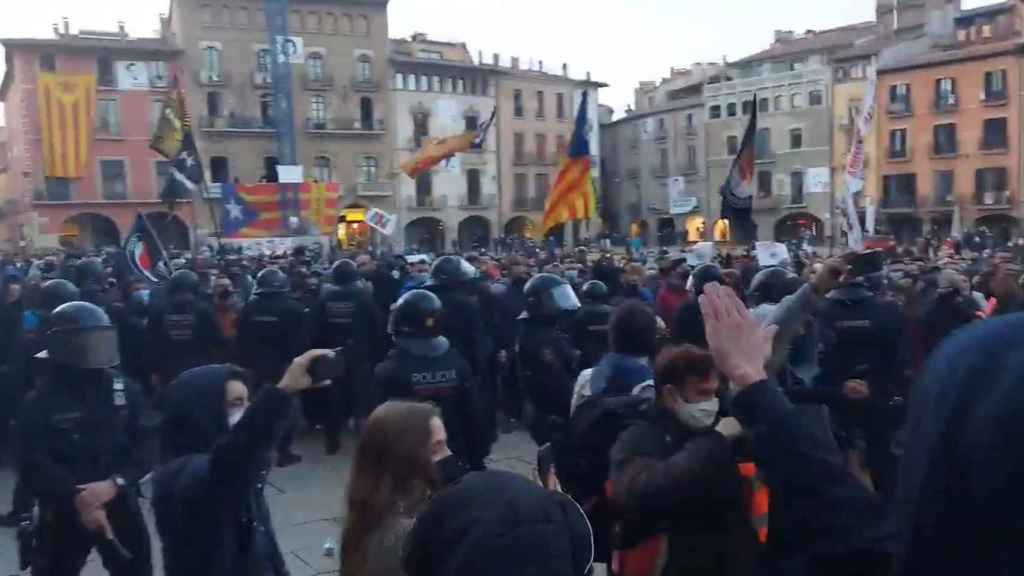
(211, 512)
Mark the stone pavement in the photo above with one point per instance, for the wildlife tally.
(305, 504)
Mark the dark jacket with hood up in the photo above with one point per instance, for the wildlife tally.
(211, 513)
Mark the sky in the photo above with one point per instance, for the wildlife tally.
(621, 42)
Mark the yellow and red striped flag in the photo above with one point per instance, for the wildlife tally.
(572, 197)
(67, 106)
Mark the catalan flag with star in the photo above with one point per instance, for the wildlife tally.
(67, 107)
(572, 197)
(259, 210)
(173, 139)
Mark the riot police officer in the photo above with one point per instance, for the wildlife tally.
(688, 327)
(182, 333)
(346, 316)
(863, 364)
(83, 451)
(548, 363)
(423, 366)
(91, 277)
(590, 324)
(271, 333)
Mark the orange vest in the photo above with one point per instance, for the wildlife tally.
(758, 496)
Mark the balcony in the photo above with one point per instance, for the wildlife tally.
(994, 98)
(236, 124)
(365, 84)
(212, 77)
(992, 199)
(946, 103)
(481, 202)
(262, 78)
(769, 202)
(660, 135)
(322, 81)
(764, 156)
(899, 202)
(897, 154)
(690, 169)
(942, 201)
(371, 189)
(426, 203)
(690, 132)
(520, 159)
(343, 126)
(945, 150)
(899, 108)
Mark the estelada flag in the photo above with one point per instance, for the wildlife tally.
(437, 150)
(67, 106)
(572, 197)
(145, 254)
(263, 209)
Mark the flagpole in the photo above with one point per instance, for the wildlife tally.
(156, 239)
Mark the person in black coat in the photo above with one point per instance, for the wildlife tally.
(688, 327)
(182, 332)
(208, 500)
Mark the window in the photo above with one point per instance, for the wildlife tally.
(650, 102)
(267, 110)
(840, 74)
(315, 66)
(942, 188)
(472, 124)
(365, 69)
(425, 190)
(243, 17)
(857, 71)
(213, 104)
(105, 72)
(730, 109)
(295, 20)
(220, 169)
(990, 187)
(747, 107)
(689, 120)
(368, 169)
(994, 134)
(899, 99)
(473, 187)
(318, 111)
(796, 100)
(460, 85)
(763, 144)
(269, 169)
(521, 196)
(156, 110)
(560, 106)
(108, 117)
(346, 26)
(763, 105)
(816, 98)
(540, 103)
(420, 128)
(663, 161)
(560, 146)
(447, 85)
(162, 173)
(796, 138)
(435, 83)
(424, 83)
(211, 64)
(517, 104)
(540, 190)
(330, 23)
(945, 94)
(898, 143)
(207, 14)
(986, 31)
(995, 86)
(714, 112)
(519, 147)
(362, 26)
(313, 21)
(263, 64)
(778, 103)
(429, 55)
(58, 190)
(47, 62)
(322, 169)
(366, 118)
(899, 191)
(944, 136)
(732, 145)
(764, 184)
(541, 141)
(796, 188)
(399, 81)
(112, 175)
(691, 158)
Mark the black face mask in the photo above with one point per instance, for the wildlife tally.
(450, 470)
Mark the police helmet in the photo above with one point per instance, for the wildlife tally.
(183, 282)
(595, 291)
(549, 296)
(705, 274)
(451, 271)
(770, 285)
(81, 336)
(272, 281)
(53, 293)
(90, 272)
(344, 272)
(417, 314)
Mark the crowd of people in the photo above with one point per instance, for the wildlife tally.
(847, 415)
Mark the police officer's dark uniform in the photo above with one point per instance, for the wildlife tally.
(182, 332)
(346, 316)
(546, 357)
(423, 366)
(589, 328)
(83, 426)
(272, 332)
(862, 337)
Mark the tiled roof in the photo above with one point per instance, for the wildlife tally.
(987, 9)
(819, 41)
(74, 42)
(944, 56)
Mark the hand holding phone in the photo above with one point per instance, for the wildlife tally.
(327, 368)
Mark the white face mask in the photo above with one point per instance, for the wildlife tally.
(699, 415)
(234, 415)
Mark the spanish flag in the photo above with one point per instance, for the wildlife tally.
(67, 106)
(572, 197)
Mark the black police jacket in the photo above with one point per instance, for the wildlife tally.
(547, 367)
(348, 317)
(81, 427)
(462, 322)
(182, 334)
(271, 333)
(444, 378)
(590, 333)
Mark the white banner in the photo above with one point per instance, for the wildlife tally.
(869, 215)
(289, 174)
(818, 180)
(855, 167)
(132, 75)
(678, 201)
(381, 221)
(771, 253)
(701, 253)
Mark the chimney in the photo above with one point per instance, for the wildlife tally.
(515, 62)
(67, 26)
(784, 35)
(121, 30)
(480, 57)
(588, 75)
(565, 69)
(56, 30)
(496, 59)
(540, 65)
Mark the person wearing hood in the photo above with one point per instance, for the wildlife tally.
(674, 480)
(208, 495)
(424, 366)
